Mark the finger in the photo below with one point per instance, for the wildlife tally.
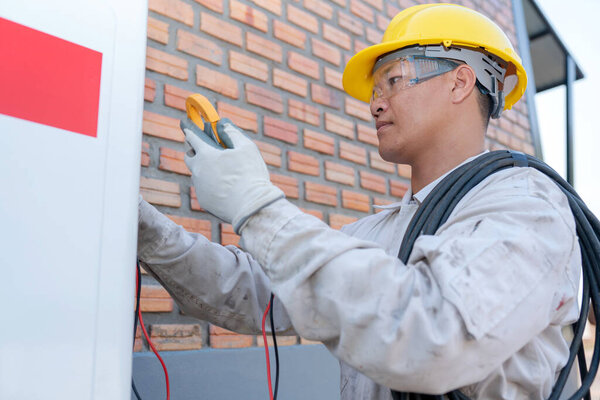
(232, 136)
(197, 135)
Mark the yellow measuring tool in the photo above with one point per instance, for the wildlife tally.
(200, 110)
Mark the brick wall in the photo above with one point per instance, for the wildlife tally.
(274, 68)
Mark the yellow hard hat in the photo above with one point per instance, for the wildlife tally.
(429, 24)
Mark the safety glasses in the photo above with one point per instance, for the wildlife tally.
(398, 73)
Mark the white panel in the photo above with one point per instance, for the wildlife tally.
(68, 212)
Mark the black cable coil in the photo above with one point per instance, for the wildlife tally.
(435, 210)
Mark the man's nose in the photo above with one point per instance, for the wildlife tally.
(378, 105)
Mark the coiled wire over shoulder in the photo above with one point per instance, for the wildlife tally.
(439, 204)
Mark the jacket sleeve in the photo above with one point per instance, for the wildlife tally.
(219, 284)
(471, 296)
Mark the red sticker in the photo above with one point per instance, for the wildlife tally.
(48, 80)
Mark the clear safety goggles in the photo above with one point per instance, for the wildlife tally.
(409, 66)
(399, 73)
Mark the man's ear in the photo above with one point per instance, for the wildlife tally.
(464, 83)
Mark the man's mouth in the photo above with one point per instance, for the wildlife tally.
(381, 124)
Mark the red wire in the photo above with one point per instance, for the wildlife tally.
(152, 346)
(264, 333)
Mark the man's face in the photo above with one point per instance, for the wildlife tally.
(408, 120)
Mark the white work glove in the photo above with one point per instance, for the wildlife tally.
(232, 184)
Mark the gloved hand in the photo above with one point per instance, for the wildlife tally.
(232, 184)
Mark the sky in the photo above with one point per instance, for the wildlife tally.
(578, 25)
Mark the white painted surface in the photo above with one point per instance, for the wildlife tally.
(68, 218)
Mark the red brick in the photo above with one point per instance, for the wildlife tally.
(199, 47)
(358, 109)
(372, 182)
(303, 341)
(200, 226)
(381, 202)
(304, 65)
(138, 344)
(302, 19)
(264, 98)
(319, 7)
(410, 3)
(404, 170)
(319, 142)
(367, 134)
(287, 184)
(175, 97)
(217, 82)
(355, 201)
(149, 90)
(270, 5)
(240, 116)
(159, 192)
(173, 161)
(158, 30)
(341, 126)
(361, 10)
(174, 9)
(230, 342)
(378, 4)
(145, 154)
(523, 121)
(314, 213)
(521, 133)
(281, 341)
(220, 29)
(339, 173)
(333, 78)
(353, 153)
(162, 126)
(529, 149)
(249, 66)
(155, 299)
(336, 221)
(215, 5)
(382, 22)
(397, 188)
(505, 124)
(374, 36)
(391, 11)
(166, 63)
(289, 34)
(271, 154)
(263, 47)
(169, 337)
(336, 36)
(223, 339)
(322, 95)
(359, 45)
(228, 236)
(379, 163)
(281, 130)
(248, 15)
(304, 112)
(194, 205)
(326, 52)
(303, 163)
(290, 82)
(350, 23)
(322, 194)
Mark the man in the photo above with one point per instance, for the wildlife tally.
(479, 306)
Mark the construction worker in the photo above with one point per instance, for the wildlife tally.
(478, 307)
